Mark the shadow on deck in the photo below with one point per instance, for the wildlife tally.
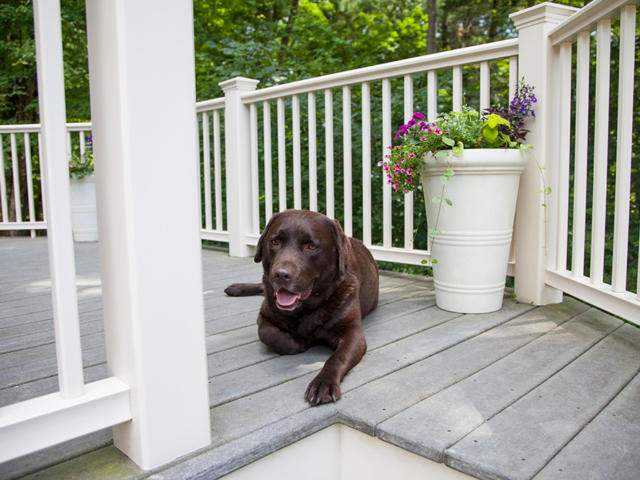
(525, 392)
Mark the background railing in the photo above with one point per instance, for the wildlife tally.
(594, 210)
(292, 165)
(296, 132)
(211, 138)
(21, 202)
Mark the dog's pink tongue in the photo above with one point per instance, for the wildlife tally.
(286, 299)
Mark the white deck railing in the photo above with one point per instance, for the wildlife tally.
(571, 268)
(78, 407)
(211, 190)
(291, 194)
(291, 152)
(24, 151)
(146, 312)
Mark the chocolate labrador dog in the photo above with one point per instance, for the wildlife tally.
(318, 284)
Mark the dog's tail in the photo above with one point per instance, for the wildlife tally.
(244, 289)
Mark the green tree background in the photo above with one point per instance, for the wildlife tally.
(285, 40)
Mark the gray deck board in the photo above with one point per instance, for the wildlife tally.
(557, 386)
(610, 441)
(432, 425)
(521, 439)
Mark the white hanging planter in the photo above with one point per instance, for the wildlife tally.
(83, 209)
(474, 233)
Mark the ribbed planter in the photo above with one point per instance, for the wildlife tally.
(472, 246)
(83, 209)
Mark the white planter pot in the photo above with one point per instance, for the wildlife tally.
(83, 209)
(472, 246)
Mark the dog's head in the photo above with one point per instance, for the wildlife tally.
(304, 257)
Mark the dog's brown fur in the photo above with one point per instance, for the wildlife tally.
(334, 280)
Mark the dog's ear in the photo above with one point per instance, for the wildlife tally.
(342, 247)
(258, 257)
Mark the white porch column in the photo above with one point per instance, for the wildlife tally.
(238, 163)
(535, 58)
(141, 64)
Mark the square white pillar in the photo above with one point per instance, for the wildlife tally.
(531, 235)
(141, 63)
(238, 164)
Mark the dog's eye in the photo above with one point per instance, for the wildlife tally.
(311, 246)
(275, 242)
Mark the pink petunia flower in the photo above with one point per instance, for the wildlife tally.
(409, 181)
(409, 171)
(412, 155)
(437, 131)
(423, 139)
(380, 163)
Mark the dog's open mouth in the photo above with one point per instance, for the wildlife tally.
(287, 300)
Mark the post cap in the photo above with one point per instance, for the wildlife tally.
(546, 12)
(239, 83)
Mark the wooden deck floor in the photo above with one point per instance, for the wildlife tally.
(527, 392)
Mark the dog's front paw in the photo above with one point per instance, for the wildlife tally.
(235, 290)
(323, 389)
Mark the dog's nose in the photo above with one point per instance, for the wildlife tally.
(282, 274)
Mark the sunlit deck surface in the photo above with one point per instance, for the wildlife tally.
(526, 392)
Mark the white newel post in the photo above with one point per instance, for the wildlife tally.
(141, 63)
(533, 238)
(238, 163)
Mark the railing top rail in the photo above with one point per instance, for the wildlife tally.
(25, 128)
(586, 19)
(77, 127)
(213, 104)
(435, 61)
(35, 127)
